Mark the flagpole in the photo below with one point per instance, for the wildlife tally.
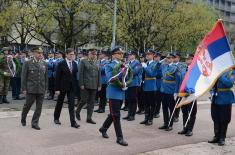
(190, 114)
(177, 102)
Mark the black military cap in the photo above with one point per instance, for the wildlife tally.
(149, 51)
(189, 56)
(177, 54)
(170, 55)
(116, 49)
(50, 52)
(157, 54)
(132, 52)
(141, 55)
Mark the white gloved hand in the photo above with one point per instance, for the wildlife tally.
(144, 65)
(126, 65)
(175, 95)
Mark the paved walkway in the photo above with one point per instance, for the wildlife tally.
(64, 140)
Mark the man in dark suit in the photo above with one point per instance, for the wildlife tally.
(65, 83)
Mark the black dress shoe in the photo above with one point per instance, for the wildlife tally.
(138, 112)
(23, 122)
(36, 127)
(122, 142)
(75, 125)
(189, 133)
(97, 110)
(149, 123)
(101, 111)
(144, 122)
(184, 131)
(57, 122)
(90, 121)
(156, 116)
(169, 128)
(214, 140)
(162, 127)
(131, 118)
(126, 118)
(221, 142)
(103, 132)
(78, 117)
(176, 120)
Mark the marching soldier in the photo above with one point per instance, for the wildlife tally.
(149, 87)
(188, 130)
(169, 87)
(157, 58)
(7, 69)
(221, 107)
(103, 62)
(34, 85)
(115, 94)
(132, 90)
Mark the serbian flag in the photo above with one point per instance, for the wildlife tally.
(212, 58)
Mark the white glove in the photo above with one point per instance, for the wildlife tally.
(6, 74)
(175, 95)
(126, 65)
(144, 65)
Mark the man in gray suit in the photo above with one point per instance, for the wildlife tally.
(34, 85)
(89, 82)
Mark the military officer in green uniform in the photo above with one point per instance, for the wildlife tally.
(34, 85)
(89, 82)
(6, 71)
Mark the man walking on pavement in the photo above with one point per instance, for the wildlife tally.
(34, 85)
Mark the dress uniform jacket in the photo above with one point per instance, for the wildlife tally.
(50, 64)
(113, 92)
(34, 77)
(170, 79)
(150, 77)
(137, 73)
(103, 64)
(224, 93)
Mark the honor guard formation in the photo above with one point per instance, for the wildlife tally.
(140, 83)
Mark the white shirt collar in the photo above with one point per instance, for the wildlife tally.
(116, 61)
(149, 62)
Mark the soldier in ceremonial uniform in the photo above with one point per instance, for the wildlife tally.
(102, 93)
(149, 88)
(51, 79)
(140, 89)
(6, 71)
(34, 85)
(132, 91)
(181, 68)
(221, 107)
(169, 87)
(188, 130)
(116, 95)
(157, 58)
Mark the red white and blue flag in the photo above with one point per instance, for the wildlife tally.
(213, 57)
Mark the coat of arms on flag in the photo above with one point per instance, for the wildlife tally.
(213, 57)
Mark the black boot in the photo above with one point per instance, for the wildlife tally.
(118, 130)
(4, 99)
(223, 132)
(0, 99)
(184, 131)
(103, 131)
(216, 132)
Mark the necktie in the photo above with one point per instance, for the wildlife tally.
(70, 66)
(147, 63)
